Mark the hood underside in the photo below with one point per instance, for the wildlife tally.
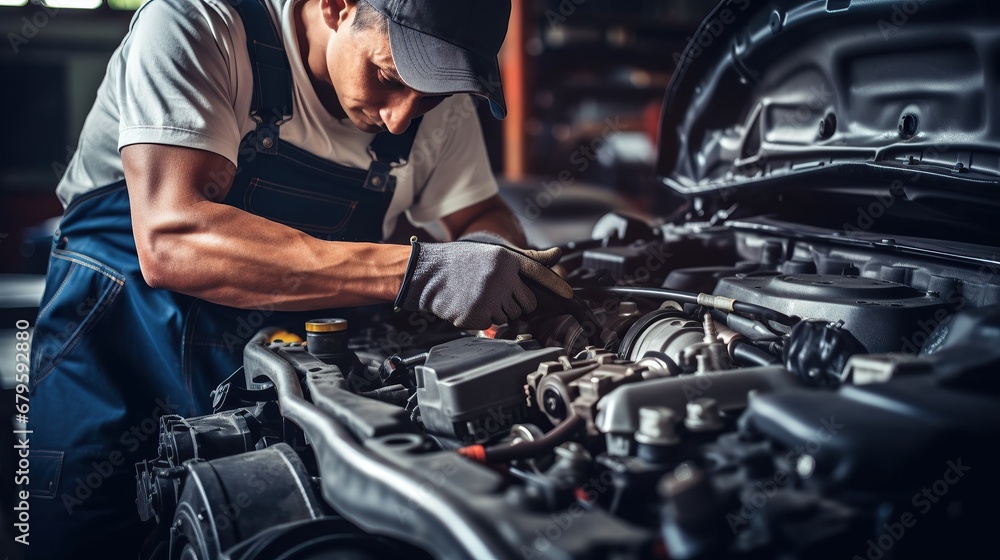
(837, 94)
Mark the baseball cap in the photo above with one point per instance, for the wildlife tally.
(449, 46)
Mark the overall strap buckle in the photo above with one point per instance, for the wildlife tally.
(389, 150)
(379, 178)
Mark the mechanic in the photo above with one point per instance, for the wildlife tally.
(243, 160)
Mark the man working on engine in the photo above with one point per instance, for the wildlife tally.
(249, 156)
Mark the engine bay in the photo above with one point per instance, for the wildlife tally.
(722, 389)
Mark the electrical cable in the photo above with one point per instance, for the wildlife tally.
(526, 449)
(748, 354)
(708, 300)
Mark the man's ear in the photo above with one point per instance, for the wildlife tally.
(337, 12)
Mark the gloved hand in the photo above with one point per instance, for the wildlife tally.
(549, 257)
(474, 284)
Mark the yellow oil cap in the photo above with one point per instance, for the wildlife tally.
(285, 336)
(326, 325)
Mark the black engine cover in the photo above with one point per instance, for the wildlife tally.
(883, 315)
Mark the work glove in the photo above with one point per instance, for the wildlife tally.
(475, 283)
(490, 237)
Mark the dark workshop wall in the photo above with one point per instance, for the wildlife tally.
(52, 61)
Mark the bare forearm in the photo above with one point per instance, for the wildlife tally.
(491, 215)
(193, 244)
(501, 222)
(246, 261)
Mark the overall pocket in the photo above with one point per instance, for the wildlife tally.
(78, 292)
(318, 214)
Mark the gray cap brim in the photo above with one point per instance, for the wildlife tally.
(431, 65)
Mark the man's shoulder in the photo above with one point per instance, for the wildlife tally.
(203, 20)
(190, 13)
(202, 33)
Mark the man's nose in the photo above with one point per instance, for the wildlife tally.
(404, 108)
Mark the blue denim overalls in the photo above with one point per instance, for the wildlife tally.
(110, 354)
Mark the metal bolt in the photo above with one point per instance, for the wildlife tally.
(776, 21)
(656, 426)
(711, 334)
(703, 415)
(267, 142)
(683, 473)
(805, 466)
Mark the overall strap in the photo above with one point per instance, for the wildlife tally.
(395, 148)
(272, 97)
(272, 78)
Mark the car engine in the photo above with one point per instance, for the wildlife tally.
(718, 391)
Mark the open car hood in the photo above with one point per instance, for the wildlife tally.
(848, 95)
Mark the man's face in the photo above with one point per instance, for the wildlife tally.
(368, 87)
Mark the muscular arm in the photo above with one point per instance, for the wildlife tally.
(491, 215)
(193, 245)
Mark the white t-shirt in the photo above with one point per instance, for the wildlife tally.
(182, 77)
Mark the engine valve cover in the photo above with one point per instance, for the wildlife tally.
(882, 315)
